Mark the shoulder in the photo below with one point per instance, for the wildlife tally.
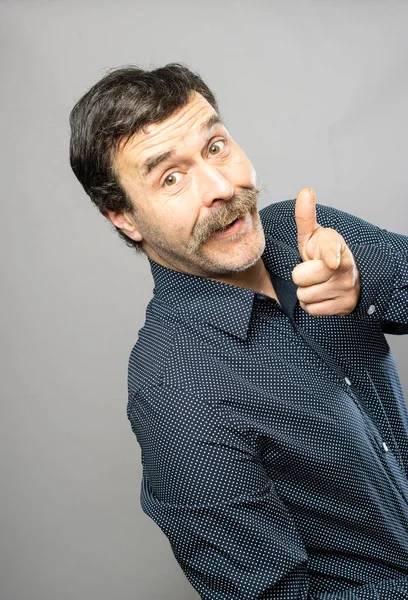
(153, 349)
(282, 213)
(173, 348)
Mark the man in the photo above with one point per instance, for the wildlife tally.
(262, 391)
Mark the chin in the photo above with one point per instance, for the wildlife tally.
(224, 264)
(241, 266)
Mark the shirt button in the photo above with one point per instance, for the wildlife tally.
(260, 297)
(385, 447)
(371, 309)
(347, 380)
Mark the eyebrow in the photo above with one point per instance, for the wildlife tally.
(153, 161)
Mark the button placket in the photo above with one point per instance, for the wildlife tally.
(371, 428)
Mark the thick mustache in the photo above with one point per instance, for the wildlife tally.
(227, 212)
(225, 219)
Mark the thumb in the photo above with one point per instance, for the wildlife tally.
(305, 215)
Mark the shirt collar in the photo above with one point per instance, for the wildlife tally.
(223, 305)
(280, 260)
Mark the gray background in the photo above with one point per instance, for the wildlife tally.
(315, 92)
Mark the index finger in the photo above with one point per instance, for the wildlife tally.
(329, 246)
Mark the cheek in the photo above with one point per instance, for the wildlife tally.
(252, 175)
(179, 223)
(243, 170)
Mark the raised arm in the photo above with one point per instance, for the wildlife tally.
(384, 281)
(350, 266)
(382, 260)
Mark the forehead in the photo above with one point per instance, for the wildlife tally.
(158, 137)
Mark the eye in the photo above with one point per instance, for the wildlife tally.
(171, 179)
(215, 148)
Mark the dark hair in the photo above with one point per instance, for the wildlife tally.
(116, 107)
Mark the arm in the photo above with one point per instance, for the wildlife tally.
(382, 261)
(205, 487)
(383, 267)
(350, 266)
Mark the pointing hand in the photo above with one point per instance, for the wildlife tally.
(328, 278)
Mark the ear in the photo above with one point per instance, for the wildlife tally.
(123, 221)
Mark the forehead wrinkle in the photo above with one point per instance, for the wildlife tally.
(198, 126)
(151, 163)
(175, 127)
(140, 145)
(129, 144)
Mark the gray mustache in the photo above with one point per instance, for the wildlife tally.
(233, 209)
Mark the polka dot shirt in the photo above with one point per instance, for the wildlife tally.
(275, 444)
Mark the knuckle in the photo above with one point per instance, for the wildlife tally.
(332, 234)
(348, 264)
(344, 307)
(301, 294)
(316, 310)
(351, 306)
(295, 276)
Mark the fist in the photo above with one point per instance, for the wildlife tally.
(328, 279)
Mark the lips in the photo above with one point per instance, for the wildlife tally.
(232, 228)
(229, 225)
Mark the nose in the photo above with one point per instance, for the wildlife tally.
(213, 185)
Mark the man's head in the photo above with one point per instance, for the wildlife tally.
(150, 149)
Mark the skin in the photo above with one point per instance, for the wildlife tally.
(328, 277)
(186, 199)
(207, 183)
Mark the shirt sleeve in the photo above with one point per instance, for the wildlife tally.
(382, 260)
(204, 485)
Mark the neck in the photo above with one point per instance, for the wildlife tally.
(255, 278)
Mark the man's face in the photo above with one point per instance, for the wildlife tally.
(187, 178)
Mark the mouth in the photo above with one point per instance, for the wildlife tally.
(229, 225)
(231, 228)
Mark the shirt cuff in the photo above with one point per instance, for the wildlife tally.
(376, 267)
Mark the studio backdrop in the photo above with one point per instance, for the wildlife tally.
(316, 94)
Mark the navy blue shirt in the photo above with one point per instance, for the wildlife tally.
(275, 443)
